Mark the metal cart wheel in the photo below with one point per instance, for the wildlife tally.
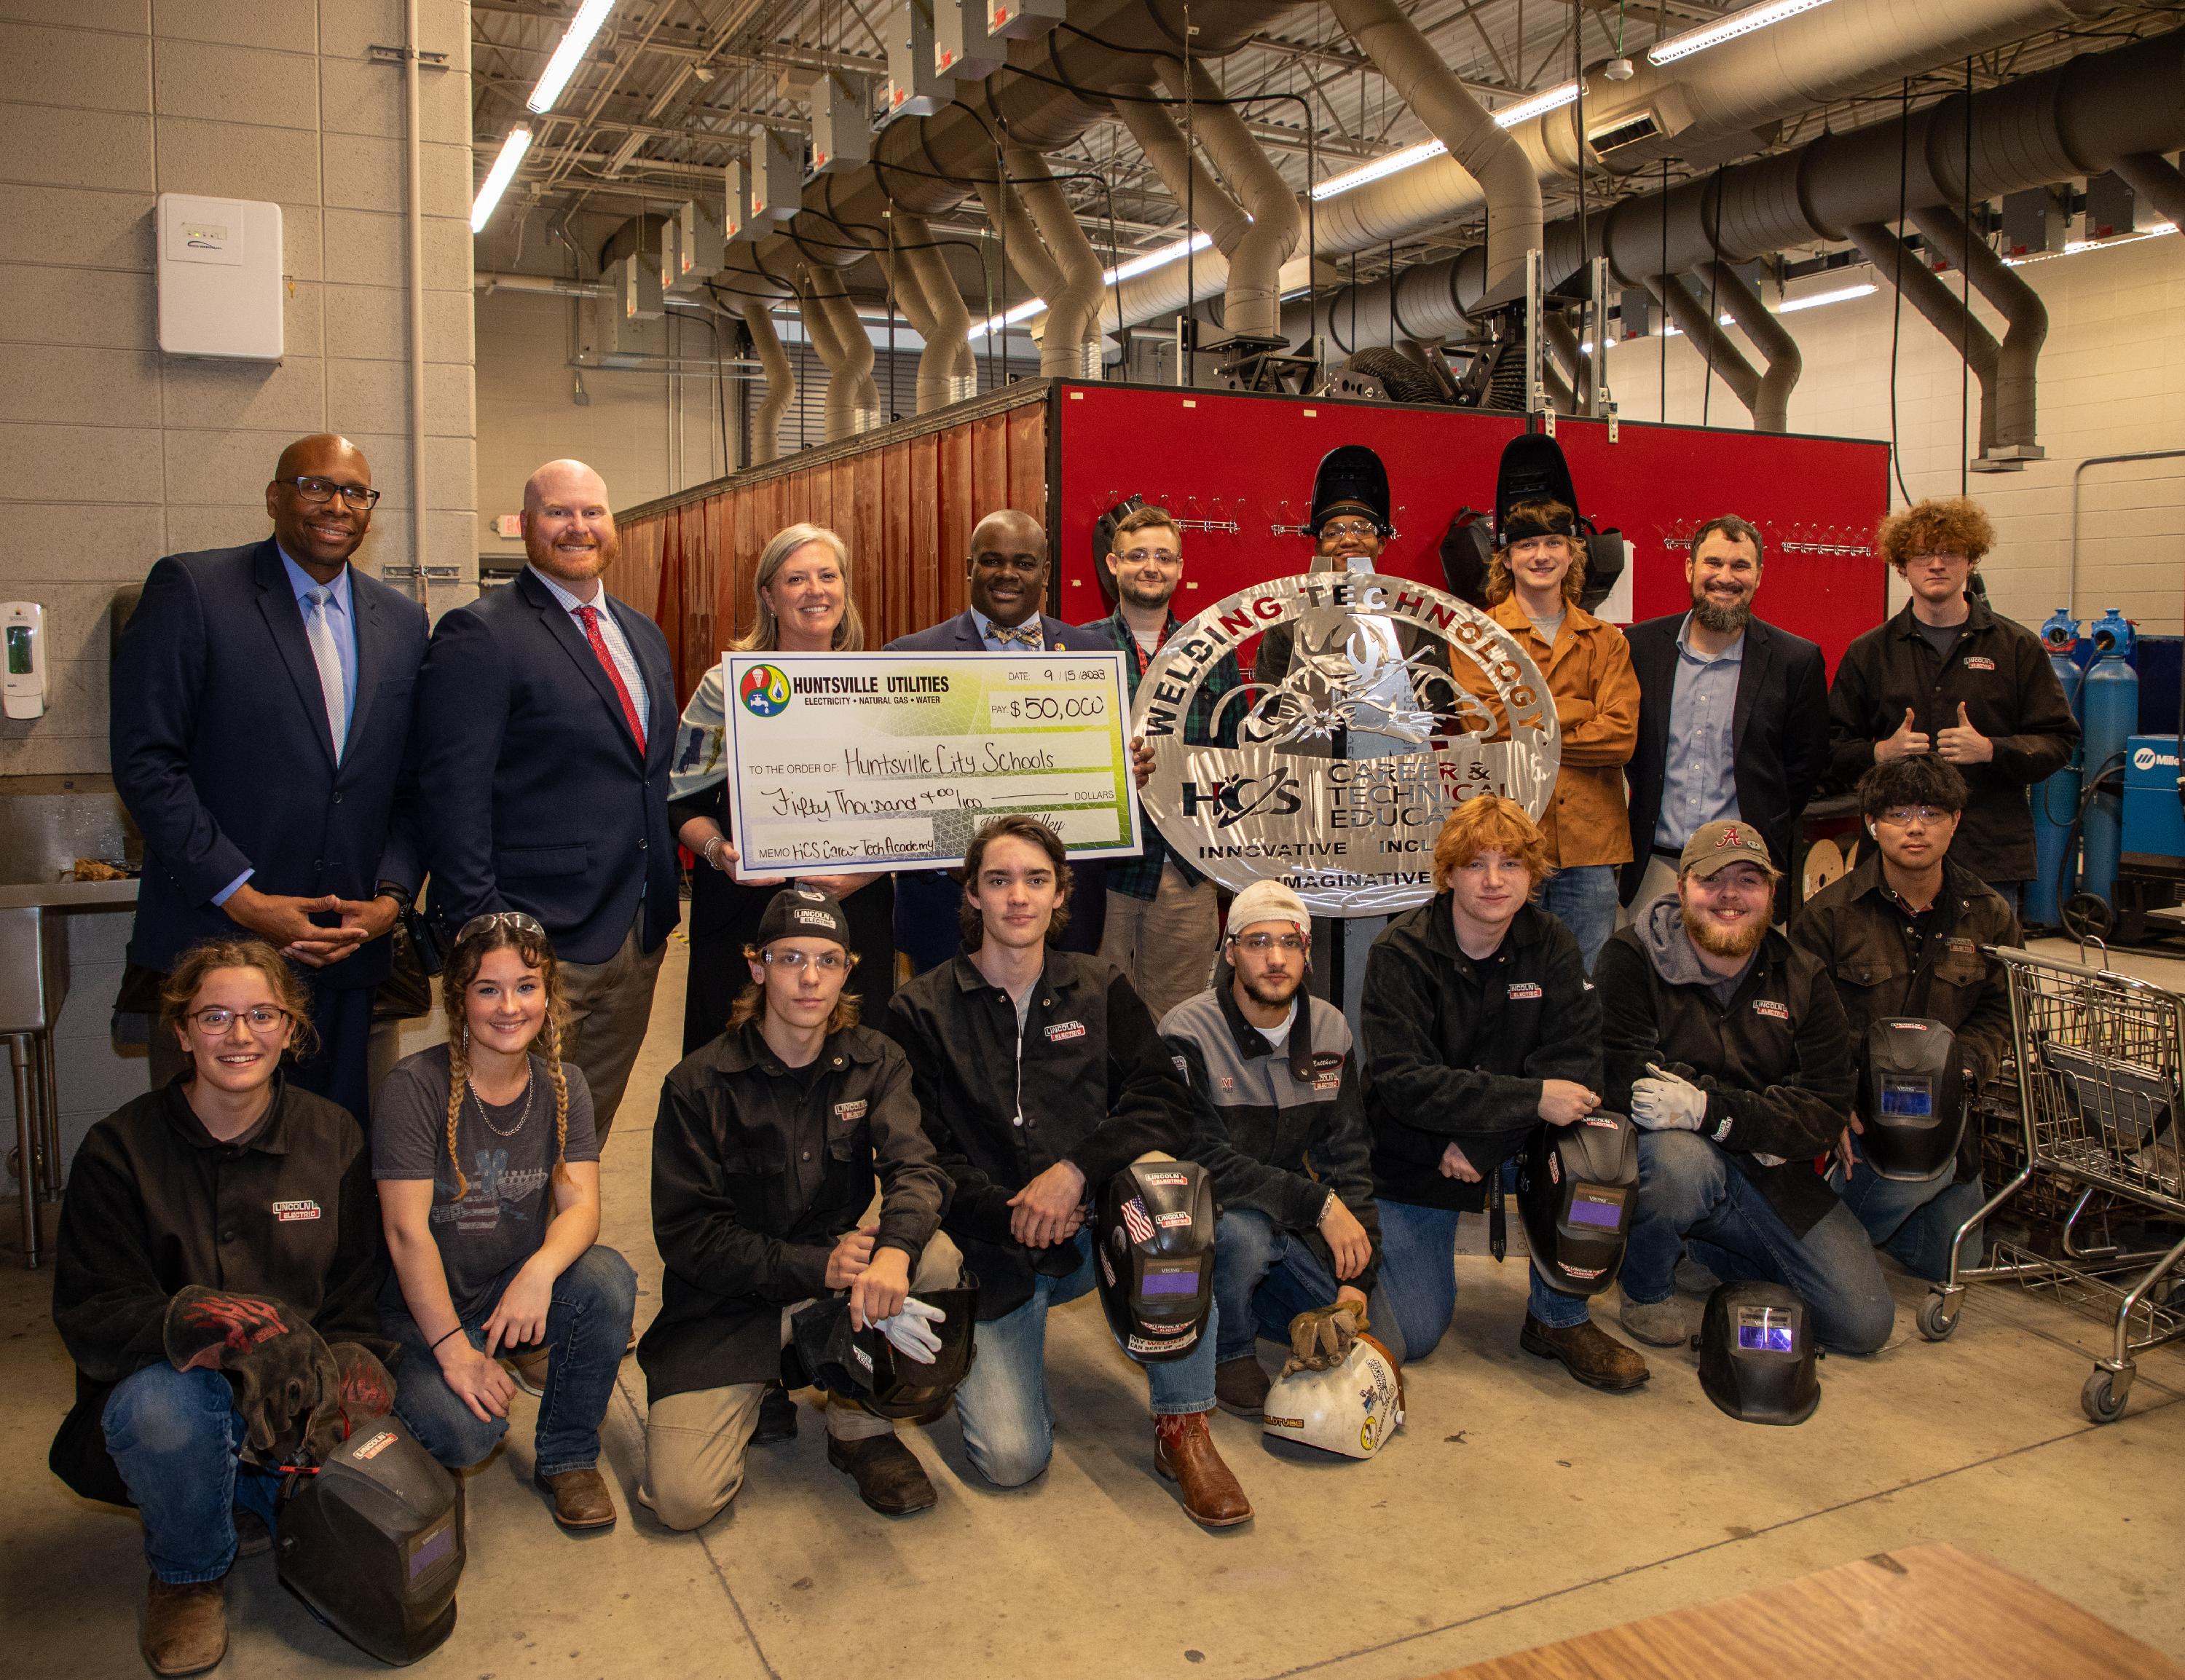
(1937, 1317)
(2103, 1398)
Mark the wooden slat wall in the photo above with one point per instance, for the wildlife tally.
(905, 506)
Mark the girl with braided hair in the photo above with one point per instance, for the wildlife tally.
(489, 1173)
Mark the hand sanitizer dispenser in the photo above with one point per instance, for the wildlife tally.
(23, 625)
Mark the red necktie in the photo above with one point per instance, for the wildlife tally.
(590, 616)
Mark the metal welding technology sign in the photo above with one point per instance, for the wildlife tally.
(1377, 705)
(851, 763)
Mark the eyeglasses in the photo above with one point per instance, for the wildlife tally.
(318, 492)
(502, 919)
(263, 1018)
(1288, 944)
(1348, 528)
(1903, 815)
(1140, 556)
(795, 962)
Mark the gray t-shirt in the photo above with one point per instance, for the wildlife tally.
(1940, 637)
(501, 1219)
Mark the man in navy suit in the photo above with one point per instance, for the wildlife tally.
(260, 723)
(1733, 716)
(546, 720)
(1008, 573)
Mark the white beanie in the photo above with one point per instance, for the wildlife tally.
(1268, 901)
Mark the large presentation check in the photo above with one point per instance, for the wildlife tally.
(847, 763)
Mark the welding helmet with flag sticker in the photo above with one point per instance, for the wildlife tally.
(1153, 1249)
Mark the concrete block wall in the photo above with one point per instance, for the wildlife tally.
(2112, 381)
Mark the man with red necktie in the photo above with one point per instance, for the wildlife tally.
(546, 720)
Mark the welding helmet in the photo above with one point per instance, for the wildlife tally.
(825, 1349)
(1351, 1407)
(1153, 1245)
(1576, 1187)
(1350, 479)
(1757, 1353)
(1533, 469)
(373, 1542)
(1912, 1098)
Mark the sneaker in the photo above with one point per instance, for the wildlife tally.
(1240, 1387)
(1658, 1324)
(1588, 1352)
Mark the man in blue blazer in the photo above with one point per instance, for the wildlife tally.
(546, 720)
(259, 721)
(1733, 716)
(1008, 573)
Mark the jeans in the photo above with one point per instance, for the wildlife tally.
(1263, 1278)
(173, 1436)
(1584, 899)
(587, 1328)
(1691, 1192)
(1418, 1273)
(1914, 1222)
(1008, 1426)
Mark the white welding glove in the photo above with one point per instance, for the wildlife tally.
(910, 1331)
(1668, 1101)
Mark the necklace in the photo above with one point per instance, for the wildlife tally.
(529, 1083)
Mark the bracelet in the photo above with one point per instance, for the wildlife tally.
(705, 850)
(435, 1348)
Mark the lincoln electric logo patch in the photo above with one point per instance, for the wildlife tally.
(1523, 992)
(852, 1110)
(288, 1212)
(1975, 661)
(1770, 1008)
(1064, 1029)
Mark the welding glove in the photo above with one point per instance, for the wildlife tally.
(909, 1330)
(1322, 1337)
(283, 1374)
(1668, 1101)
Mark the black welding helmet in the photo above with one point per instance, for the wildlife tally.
(863, 1365)
(1153, 1244)
(1757, 1353)
(1351, 480)
(1576, 1187)
(1912, 1098)
(1533, 469)
(1104, 542)
(373, 1543)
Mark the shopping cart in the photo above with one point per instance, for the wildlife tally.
(2098, 1058)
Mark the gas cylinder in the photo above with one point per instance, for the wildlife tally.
(2110, 700)
(2056, 801)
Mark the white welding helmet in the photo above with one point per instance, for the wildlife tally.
(1352, 1408)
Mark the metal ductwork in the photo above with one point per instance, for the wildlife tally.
(2011, 437)
(780, 380)
(2156, 179)
(946, 372)
(1252, 293)
(1769, 404)
(1190, 181)
(1073, 307)
(1897, 265)
(1021, 247)
(853, 398)
(1698, 323)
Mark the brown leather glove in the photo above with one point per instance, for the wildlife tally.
(1322, 1337)
(281, 1371)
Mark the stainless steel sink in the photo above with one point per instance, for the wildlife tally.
(48, 821)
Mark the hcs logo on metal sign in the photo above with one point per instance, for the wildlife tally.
(1376, 705)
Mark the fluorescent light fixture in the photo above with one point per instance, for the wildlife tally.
(576, 41)
(1813, 300)
(1145, 263)
(1539, 105)
(1554, 99)
(1714, 34)
(498, 177)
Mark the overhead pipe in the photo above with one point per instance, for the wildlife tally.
(947, 373)
(1564, 396)
(1072, 307)
(2155, 179)
(780, 380)
(1896, 264)
(2026, 328)
(1189, 180)
(859, 408)
(1252, 296)
(1771, 406)
(1023, 249)
(1507, 175)
(1698, 323)
(908, 294)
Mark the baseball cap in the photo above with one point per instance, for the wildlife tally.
(803, 912)
(1267, 901)
(1714, 846)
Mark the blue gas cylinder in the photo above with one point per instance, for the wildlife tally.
(2110, 703)
(2056, 800)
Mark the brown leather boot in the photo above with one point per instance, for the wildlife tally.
(889, 1477)
(185, 1627)
(1589, 1353)
(581, 1499)
(1240, 1387)
(1184, 1452)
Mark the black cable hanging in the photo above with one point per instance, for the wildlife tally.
(1896, 312)
(1662, 393)
(1714, 293)
(1965, 303)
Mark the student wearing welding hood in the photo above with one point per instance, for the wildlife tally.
(1040, 1076)
(1727, 1047)
(216, 1281)
(1905, 934)
(1479, 1024)
(765, 1160)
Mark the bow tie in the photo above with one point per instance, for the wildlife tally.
(1026, 634)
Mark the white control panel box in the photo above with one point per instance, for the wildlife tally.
(219, 277)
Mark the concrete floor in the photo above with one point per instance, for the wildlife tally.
(1513, 1510)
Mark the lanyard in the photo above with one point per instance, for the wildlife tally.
(1138, 648)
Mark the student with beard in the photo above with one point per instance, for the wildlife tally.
(1733, 715)
(1728, 1046)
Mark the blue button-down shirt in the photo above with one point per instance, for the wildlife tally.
(1700, 784)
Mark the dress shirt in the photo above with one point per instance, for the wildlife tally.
(625, 660)
(1699, 777)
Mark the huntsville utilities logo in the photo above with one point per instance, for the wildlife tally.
(764, 690)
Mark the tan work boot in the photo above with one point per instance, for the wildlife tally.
(1589, 1353)
(1240, 1387)
(185, 1627)
(581, 1499)
(1184, 1452)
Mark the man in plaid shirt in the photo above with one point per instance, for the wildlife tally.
(1163, 916)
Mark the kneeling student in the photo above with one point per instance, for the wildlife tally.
(1903, 935)
(1277, 1123)
(764, 1161)
(1479, 1025)
(1040, 1076)
(1726, 1047)
(489, 1190)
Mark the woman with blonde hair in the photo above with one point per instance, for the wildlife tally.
(802, 588)
(490, 1193)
